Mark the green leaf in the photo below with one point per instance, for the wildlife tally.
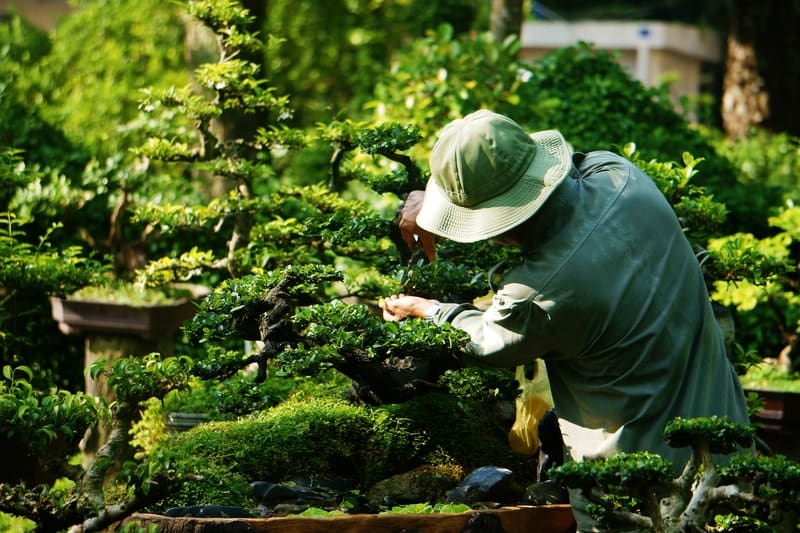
(25, 370)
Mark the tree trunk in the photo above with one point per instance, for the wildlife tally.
(506, 19)
(745, 101)
(234, 124)
(777, 49)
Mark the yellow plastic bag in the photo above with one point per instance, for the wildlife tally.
(531, 405)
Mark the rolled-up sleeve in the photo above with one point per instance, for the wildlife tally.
(512, 331)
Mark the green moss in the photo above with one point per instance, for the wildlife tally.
(427, 483)
(127, 294)
(327, 436)
(15, 524)
(221, 485)
(304, 435)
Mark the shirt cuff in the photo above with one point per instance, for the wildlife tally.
(447, 312)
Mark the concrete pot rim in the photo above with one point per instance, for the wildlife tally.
(74, 315)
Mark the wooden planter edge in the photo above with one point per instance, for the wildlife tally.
(517, 519)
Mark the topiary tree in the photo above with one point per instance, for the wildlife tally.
(639, 490)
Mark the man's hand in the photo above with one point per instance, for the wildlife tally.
(413, 235)
(399, 306)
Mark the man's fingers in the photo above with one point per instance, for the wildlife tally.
(413, 236)
(408, 229)
(428, 244)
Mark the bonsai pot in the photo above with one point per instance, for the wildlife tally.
(156, 321)
(778, 421)
(177, 422)
(522, 519)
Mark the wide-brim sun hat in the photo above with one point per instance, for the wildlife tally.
(488, 176)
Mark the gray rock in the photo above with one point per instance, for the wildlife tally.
(487, 484)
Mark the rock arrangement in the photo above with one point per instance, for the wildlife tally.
(486, 487)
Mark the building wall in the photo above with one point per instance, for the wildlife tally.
(41, 13)
(651, 51)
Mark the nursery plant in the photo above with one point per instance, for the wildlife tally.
(43, 423)
(296, 271)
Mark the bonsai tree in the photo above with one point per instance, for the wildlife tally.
(86, 83)
(638, 489)
(768, 295)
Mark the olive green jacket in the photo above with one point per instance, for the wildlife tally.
(609, 293)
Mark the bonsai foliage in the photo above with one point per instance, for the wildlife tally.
(39, 267)
(233, 85)
(639, 490)
(269, 234)
(771, 297)
(45, 425)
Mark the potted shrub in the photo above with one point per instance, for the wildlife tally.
(776, 395)
(150, 314)
(122, 321)
(764, 291)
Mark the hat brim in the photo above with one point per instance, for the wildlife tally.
(551, 164)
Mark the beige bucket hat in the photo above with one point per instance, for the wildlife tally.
(488, 175)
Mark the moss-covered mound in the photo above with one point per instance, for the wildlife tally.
(331, 438)
(324, 437)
